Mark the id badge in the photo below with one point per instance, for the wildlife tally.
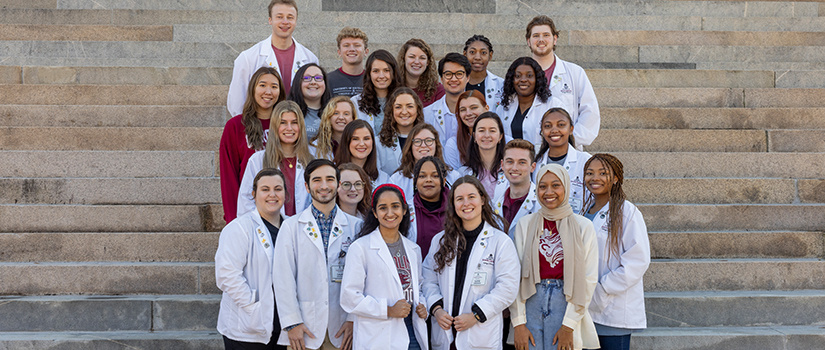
(480, 278)
(336, 273)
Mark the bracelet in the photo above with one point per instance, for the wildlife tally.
(436, 310)
(291, 327)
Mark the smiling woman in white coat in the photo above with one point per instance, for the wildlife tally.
(382, 279)
(618, 306)
(558, 146)
(289, 151)
(248, 318)
(524, 100)
(403, 111)
(471, 273)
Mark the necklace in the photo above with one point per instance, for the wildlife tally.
(289, 163)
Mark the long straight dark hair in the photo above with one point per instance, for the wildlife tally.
(368, 103)
(474, 161)
(371, 222)
(453, 243)
(249, 117)
(344, 156)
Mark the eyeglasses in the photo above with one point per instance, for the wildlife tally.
(449, 75)
(346, 185)
(428, 141)
(318, 78)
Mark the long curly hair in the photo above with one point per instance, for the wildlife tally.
(371, 222)
(546, 146)
(390, 128)
(323, 140)
(274, 153)
(408, 159)
(297, 95)
(542, 91)
(463, 137)
(617, 197)
(368, 102)
(474, 161)
(453, 243)
(364, 204)
(249, 117)
(428, 81)
(345, 156)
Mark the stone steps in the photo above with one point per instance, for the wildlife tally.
(85, 32)
(191, 340)
(712, 118)
(111, 139)
(173, 247)
(733, 217)
(664, 275)
(112, 116)
(734, 338)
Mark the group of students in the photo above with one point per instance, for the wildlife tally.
(381, 207)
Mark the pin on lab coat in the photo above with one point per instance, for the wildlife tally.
(305, 289)
(618, 300)
(371, 284)
(529, 206)
(531, 125)
(257, 56)
(491, 282)
(255, 164)
(572, 87)
(574, 164)
(439, 116)
(493, 86)
(243, 271)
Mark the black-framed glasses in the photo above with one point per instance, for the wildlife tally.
(449, 75)
(346, 185)
(428, 141)
(318, 78)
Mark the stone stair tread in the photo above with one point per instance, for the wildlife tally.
(713, 118)
(110, 190)
(111, 138)
(112, 116)
(737, 244)
(735, 274)
(721, 165)
(108, 163)
(82, 32)
(684, 140)
(725, 217)
(735, 338)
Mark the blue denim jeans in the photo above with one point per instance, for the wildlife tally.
(411, 332)
(545, 312)
(615, 342)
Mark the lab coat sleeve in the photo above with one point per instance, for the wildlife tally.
(230, 260)
(241, 74)
(586, 126)
(635, 256)
(518, 312)
(284, 274)
(353, 282)
(429, 277)
(245, 201)
(574, 313)
(507, 270)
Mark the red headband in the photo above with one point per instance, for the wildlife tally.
(388, 185)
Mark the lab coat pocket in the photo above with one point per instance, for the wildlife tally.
(601, 300)
(482, 280)
(375, 333)
(250, 320)
(485, 335)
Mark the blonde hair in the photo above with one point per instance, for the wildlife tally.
(350, 32)
(323, 140)
(274, 153)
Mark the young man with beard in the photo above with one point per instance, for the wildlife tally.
(308, 265)
(567, 81)
(352, 48)
(280, 51)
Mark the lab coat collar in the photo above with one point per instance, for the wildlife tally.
(262, 234)
(377, 243)
(557, 72)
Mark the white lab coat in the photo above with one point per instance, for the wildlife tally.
(451, 154)
(389, 158)
(619, 299)
(529, 206)
(574, 164)
(493, 86)
(439, 116)
(572, 87)
(371, 284)
(370, 118)
(491, 282)
(304, 287)
(256, 162)
(531, 125)
(257, 56)
(243, 271)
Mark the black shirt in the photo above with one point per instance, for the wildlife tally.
(518, 121)
(477, 87)
(461, 267)
(273, 234)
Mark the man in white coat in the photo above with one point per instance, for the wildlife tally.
(309, 263)
(567, 81)
(454, 70)
(516, 197)
(280, 50)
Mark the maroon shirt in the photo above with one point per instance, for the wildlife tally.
(289, 174)
(548, 73)
(439, 93)
(511, 206)
(234, 152)
(550, 249)
(429, 223)
(285, 59)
